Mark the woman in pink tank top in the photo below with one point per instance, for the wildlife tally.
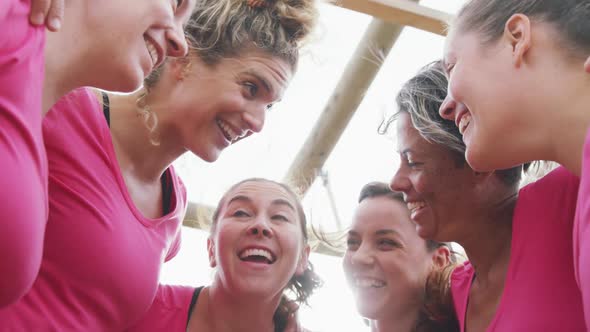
(520, 273)
(258, 246)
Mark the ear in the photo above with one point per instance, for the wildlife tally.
(518, 33)
(441, 257)
(211, 252)
(303, 261)
(587, 65)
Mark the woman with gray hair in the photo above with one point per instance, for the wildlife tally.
(520, 275)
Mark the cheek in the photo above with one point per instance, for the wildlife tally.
(458, 85)
(346, 264)
(420, 181)
(226, 237)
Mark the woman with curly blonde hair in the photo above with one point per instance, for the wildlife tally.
(116, 203)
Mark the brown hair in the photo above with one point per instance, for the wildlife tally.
(437, 312)
(302, 286)
(568, 17)
(421, 97)
(220, 29)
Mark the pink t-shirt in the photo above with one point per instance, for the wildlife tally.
(23, 163)
(582, 231)
(169, 311)
(540, 293)
(102, 258)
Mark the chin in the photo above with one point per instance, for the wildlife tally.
(207, 156)
(127, 81)
(424, 232)
(369, 311)
(477, 160)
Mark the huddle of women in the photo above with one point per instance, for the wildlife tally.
(92, 207)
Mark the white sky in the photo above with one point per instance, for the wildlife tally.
(360, 156)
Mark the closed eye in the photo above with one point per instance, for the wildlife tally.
(449, 69)
(352, 244)
(387, 244)
(280, 217)
(240, 214)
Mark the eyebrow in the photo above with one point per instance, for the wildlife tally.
(283, 202)
(239, 198)
(387, 232)
(246, 199)
(353, 233)
(378, 232)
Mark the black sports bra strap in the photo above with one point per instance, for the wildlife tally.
(106, 108)
(193, 302)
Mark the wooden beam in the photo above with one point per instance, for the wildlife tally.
(346, 97)
(402, 12)
(199, 216)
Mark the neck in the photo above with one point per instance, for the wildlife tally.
(569, 133)
(402, 322)
(566, 119)
(487, 243)
(64, 59)
(146, 153)
(227, 312)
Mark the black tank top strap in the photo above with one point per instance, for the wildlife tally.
(106, 108)
(193, 302)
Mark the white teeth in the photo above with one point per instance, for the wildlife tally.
(256, 252)
(229, 134)
(153, 51)
(415, 205)
(465, 120)
(369, 283)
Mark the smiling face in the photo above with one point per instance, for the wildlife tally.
(257, 243)
(439, 191)
(386, 263)
(481, 99)
(130, 38)
(494, 95)
(217, 105)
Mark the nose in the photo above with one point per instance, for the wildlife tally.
(400, 181)
(447, 108)
(260, 227)
(255, 117)
(362, 256)
(176, 44)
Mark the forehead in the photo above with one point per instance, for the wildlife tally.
(261, 193)
(256, 60)
(459, 42)
(382, 213)
(449, 43)
(408, 137)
